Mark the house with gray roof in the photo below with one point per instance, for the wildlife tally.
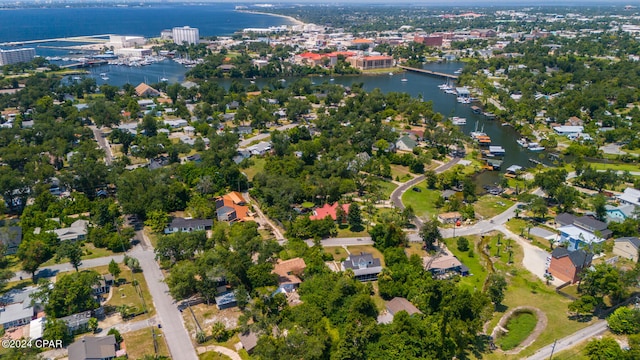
(94, 348)
(406, 143)
(179, 224)
(11, 237)
(627, 247)
(78, 323)
(16, 314)
(620, 213)
(77, 231)
(364, 266)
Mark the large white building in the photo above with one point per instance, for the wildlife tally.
(15, 56)
(118, 41)
(186, 34)
(132, 52)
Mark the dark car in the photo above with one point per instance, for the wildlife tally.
(416, 189)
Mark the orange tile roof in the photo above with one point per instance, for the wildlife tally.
(291, 266)
(241, 210)
(236, 197)
(310, 55)
(143, 88)
(361, 41)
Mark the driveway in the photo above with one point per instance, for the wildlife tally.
(103, 143)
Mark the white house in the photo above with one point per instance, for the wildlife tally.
(77, 231)
(176, 123)
(630, 196)
(568, 130)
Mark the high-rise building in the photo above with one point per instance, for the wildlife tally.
(15, 56)
(186, 34)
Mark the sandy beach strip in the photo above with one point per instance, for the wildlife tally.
(290, 18)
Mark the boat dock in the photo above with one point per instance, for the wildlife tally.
(89, 63)
(429, 72)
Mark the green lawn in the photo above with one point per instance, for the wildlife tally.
(401, 173)
(519, 326)
(212, 355)
(258, 166)
(88, 252)
(489, 206)
(616, 167)
(519, 226)
(345, 231)
(475, 264)
(421, 202)
(140, 343)
(126, 293)
(386, 187)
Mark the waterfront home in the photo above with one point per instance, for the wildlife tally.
(567, 265)
(630, 196)
(179, 224)
(566, 130)
(143, 90)
(364, 266)
(627, 247)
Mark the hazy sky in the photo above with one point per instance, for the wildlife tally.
(338, 2)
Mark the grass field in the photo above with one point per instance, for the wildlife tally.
(423, 203)
(386, 187)
(401, 173)
(140, 343)
(519, 226)
(258, 166)
(212, 355)
(347, 232)
(478, 270)
(88, 252)
(616, 167)
(519, 326)
(126, 294)
(489, 206)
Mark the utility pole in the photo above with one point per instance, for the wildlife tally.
(553, 348)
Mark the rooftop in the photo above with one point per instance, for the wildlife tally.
(398, 304)
(90, 347)
(579, 258)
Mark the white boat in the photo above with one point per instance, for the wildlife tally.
(76, 78)
(332, 79)
(390, 74)
(535, 147)
(458, 120)
(164, 79)
(450, 91)
(464, 100)
(459, 71)
(496, 150)
(523, 142)
(404, 80)
(103, 74)
(105, 78)
(283, 80)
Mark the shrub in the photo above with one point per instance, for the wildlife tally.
(463, 244)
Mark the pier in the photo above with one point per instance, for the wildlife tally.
(87, 38)
(89, 63)
(429, 72)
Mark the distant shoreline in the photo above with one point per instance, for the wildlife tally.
(290, 18)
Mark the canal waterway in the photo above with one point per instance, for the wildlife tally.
(416, 85)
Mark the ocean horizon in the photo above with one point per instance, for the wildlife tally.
(213, 19)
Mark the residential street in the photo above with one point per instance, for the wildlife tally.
(571, 340)
(262, 136)
(176, 334)
(330, 242)
(103, 143)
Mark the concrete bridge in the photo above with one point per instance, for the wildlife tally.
(429, 72)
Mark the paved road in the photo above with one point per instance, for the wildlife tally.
(104, 145)
(169, 316)
(571, 340)
(49, 271)
(353, 241)
(396, 195)
(262, 136)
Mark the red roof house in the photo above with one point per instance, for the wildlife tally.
(328, 210)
